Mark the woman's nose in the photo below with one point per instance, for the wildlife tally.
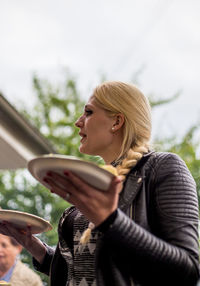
(79, 122)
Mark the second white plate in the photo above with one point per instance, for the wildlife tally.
(22, 219)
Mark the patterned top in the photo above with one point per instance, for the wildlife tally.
(81, 265)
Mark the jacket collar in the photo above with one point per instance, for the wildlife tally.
(133, 183)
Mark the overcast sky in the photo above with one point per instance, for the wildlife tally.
(112, 37)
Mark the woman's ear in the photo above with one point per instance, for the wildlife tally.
(118, 122)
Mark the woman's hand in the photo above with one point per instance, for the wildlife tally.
(95, 204)
(24, 237)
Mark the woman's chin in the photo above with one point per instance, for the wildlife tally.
(85, 150)
(82, 149)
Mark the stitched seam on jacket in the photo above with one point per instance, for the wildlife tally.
(162, 160)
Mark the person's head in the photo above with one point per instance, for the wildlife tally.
(9, 250)
(128, 119)
(121, 98)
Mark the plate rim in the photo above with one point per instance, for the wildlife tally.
(38, 218)
(68, 158)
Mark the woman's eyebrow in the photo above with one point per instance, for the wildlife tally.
(88, 105)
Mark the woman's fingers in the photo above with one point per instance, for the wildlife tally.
(55, 180)
(78, 183)
(85, 187)
(70, 184)
(74, 189)
(3, 229)
(95, 204)
(23, 236)
(58, 184)
(6, 228)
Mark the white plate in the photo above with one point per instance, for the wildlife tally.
(88, 171)
(21, 220)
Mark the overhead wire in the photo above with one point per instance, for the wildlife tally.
(138, 42)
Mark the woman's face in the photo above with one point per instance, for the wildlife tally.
(95, 130)
(8, 253)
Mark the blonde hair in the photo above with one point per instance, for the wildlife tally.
(118, 97)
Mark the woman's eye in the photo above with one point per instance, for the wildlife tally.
(88, 112)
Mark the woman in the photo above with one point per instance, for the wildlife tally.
(144, 229)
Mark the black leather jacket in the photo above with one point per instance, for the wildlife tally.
(153, 239)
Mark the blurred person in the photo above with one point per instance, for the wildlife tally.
(144, 229)
(11, 268)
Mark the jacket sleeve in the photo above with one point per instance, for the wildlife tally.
(168, 253)
(46, 265)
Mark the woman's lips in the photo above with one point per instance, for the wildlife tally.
(83, 136)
